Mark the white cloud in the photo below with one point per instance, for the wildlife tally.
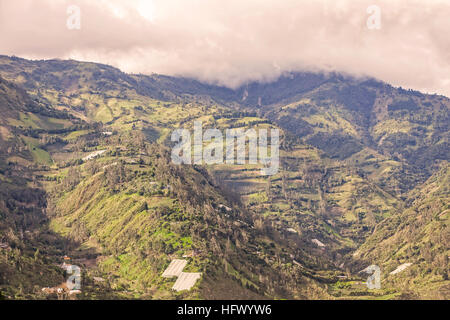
(234, 41)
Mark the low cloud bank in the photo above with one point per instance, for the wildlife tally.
(234, 41)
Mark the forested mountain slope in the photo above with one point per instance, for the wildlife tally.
(418, 238)
(90, 145)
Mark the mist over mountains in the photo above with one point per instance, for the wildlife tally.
(236, 43)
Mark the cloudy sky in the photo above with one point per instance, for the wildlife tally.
(234, 41)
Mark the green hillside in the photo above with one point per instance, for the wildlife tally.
(86, 172)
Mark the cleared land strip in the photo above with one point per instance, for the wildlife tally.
(401, 267)
(175, 268)
(186, 281)
(93, 155)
